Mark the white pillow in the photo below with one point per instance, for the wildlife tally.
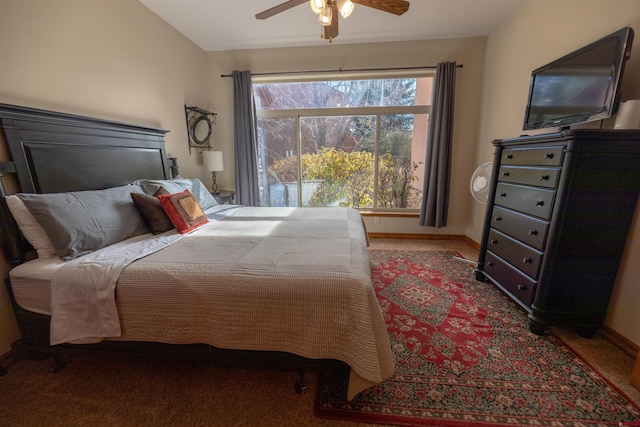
(30, 228)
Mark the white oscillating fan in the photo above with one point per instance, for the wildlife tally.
(480, 180)
(479, 186)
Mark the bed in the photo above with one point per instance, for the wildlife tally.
(282, 280)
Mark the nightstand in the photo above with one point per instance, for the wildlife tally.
(224, 196)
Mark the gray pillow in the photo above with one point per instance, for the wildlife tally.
(177, 185)
(81, 222)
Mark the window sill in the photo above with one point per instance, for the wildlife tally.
(391, 214)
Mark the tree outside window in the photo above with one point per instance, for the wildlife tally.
(354, 143)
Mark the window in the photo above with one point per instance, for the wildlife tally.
(358, 143)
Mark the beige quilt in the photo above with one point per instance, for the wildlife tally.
(280, 279)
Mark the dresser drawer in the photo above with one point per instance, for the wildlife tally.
(521, 256)
(545, 156)
(534, 201)
(519, 285)
(527, 229)
(540, 177)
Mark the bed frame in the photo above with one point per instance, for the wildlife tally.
(56, 152)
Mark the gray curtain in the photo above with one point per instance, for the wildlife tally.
(245, 140)
(435, 192)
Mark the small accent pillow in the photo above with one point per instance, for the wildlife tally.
(183, 210)
(81, 222)
(31, 230)
(152, 212)
(176, 185)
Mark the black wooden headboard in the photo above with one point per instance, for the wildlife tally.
(56, 152)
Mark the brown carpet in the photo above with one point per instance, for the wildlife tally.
(126, 390)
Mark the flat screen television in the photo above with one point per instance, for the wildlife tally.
(580, 87)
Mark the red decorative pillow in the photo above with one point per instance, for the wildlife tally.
(183, 210)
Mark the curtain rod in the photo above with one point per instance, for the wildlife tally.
(340, 70)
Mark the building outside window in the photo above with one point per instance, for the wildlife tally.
(358, 143)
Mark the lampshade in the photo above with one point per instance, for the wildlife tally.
(317, 5)
(213, 161)
(345, 7)
(325, 16)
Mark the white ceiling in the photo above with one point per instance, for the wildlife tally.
(231, 24)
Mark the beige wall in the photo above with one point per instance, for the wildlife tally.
(112, 59)
(468, 52)
(539, 32)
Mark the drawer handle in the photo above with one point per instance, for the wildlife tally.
(533, 232)
(509, 156)
(539, 202)
(544, 177)
(489, 264)
(522, 287)
(498, 218)
(494, 242)
(505, 173)
(526, 260)
(548, 155)
(503, 194)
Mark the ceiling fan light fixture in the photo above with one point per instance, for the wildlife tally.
(317, 6)
(326, 16)
(345, 7)
(328, 11)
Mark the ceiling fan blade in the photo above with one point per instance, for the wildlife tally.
(279, 8)
(397, 7)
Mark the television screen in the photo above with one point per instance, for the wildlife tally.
(581, 86)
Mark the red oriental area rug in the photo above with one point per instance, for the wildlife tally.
(465, 357)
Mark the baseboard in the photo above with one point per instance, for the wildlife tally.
(635, 375)
(420, 236)
(619, 341)
(472, 242)
(628, 347)
(416, 236)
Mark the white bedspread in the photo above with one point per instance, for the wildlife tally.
(83, 303)
(274, 279)
(83, 300)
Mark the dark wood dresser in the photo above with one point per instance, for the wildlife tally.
(557, 220)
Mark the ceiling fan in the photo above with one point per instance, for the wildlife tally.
(328, 10)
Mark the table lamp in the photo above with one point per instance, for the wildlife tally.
(213, 163)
